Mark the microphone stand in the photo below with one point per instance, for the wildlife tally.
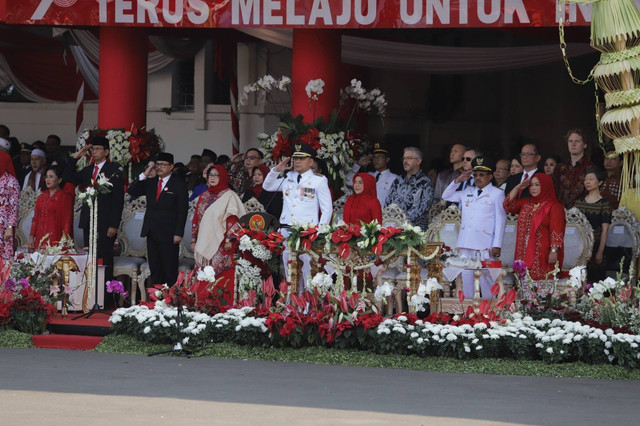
(177, 347)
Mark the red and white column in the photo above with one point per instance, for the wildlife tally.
(123, 77)
(316, 55)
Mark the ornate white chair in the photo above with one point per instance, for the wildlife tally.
(133, 246)
(445, 226)
(26, 206)
(252, 205)
(78, 233)
(624, 232)
(187, 263)
(436, 209)
(394, 215)
(578, 239)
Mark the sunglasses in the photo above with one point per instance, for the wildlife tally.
(467, 159)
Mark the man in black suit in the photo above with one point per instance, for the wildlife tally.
(529, 158)
(164, 220)
(109, 204)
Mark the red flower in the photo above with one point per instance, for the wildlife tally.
(311, 138)
(344, 250)
(495, 289)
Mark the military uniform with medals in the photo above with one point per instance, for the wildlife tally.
(482, 225)
(306, 199)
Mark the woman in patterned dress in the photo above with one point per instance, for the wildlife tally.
(597, 209)
(214, 223)
(541, 223)
(9, 197)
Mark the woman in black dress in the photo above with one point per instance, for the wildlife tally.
(598, 211)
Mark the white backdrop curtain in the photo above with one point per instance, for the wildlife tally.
(433, 59)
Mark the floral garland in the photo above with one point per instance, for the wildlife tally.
(329, 136)
(259, 258)
(364, 238)
(134, 146)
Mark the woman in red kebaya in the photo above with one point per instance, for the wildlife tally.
(53, 215)
(541, 225)
(363, 205)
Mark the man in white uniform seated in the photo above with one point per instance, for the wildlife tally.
(306, 197)
(483, 220)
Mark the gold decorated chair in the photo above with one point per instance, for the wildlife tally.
(26, 207)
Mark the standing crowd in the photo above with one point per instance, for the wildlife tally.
(295, 191)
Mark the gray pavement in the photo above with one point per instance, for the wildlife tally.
(165, 390)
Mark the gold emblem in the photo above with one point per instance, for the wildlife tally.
(286, 192)
(256, 223)
(376, 145)
(479, 161)
(298, 147)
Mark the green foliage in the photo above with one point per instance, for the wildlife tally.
(330, 356)
(15, 339)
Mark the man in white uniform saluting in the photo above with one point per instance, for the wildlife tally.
(483, 220)
(306, 196)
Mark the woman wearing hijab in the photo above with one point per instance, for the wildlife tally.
(9, 196)
(541, 223)
(363, 205)
(272, 201)
(213, 229)
(53, 214)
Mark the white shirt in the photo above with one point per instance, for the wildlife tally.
(26, 180)
(529, 174)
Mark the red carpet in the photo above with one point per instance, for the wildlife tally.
(77, 334)
(66, 341)
(95, 320)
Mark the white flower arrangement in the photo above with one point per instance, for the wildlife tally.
(383, 291)
(119, 146)
(314, 88)
(258, 251)
(263, 86)
(366, 100)
(336, 151)
(432, 284)
(321, 281)
(608, 285)
(577, 276)
(207, 274)
(249, 277)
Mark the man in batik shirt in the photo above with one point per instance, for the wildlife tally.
(568, 177)
(610, 188)
(413, 191)
(240, 170)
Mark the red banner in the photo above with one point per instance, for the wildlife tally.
(295, 13)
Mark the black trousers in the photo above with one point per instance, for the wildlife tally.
(163, 259)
